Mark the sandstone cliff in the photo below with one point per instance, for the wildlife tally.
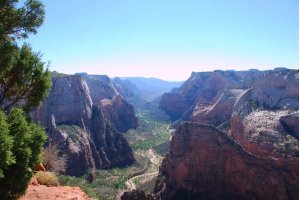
(205, 163)
(204, 87)
(105, 94)
(85, 130)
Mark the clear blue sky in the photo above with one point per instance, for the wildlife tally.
(168, 38)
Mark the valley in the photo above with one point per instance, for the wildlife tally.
(230, 126)
(149, 100)
(150, 142)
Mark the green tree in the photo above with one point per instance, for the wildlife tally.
(24, 83)
(18, 22)
(6, 142)
(27, 145)
(23, 79)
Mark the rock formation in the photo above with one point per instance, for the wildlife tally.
(277, 89)
(205, 163)
(242, 141)
(136, 195)
(204, 87)
(105, 94)
(119, 112)
(85, 128)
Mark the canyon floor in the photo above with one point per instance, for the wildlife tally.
(147, 177)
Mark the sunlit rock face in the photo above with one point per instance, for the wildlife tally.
(202, 87)
(86, 131)
(272, 89)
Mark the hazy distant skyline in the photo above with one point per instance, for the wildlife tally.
(168, 39)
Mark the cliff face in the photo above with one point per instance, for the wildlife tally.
(119, 112)
(255, 156)
(277, 90)
(204, 87)
(69, 102)
(219, 110)
(106, 95)
(205, 163)
(83, 129)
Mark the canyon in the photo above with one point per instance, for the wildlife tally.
(236, 137)
(237, 132)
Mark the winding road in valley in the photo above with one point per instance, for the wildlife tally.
(150, 173)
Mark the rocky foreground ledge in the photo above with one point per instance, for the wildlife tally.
(42, 192)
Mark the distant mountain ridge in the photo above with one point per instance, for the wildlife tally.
(152, 88)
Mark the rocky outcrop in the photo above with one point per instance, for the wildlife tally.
(290, 123)
(277, 89)
(205, 163)
(219, 111)
(136, 195)
(261, 133)
(84, 130)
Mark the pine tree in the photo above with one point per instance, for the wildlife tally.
(23, 79)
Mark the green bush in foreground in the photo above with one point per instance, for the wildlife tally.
(22, 150)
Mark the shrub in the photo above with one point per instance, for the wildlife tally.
(6, 142)
(24, 145)
(53, 160)
(47, 178)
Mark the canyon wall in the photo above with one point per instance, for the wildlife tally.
(84, 116)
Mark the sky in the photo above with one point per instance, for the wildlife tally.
(168, 39)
